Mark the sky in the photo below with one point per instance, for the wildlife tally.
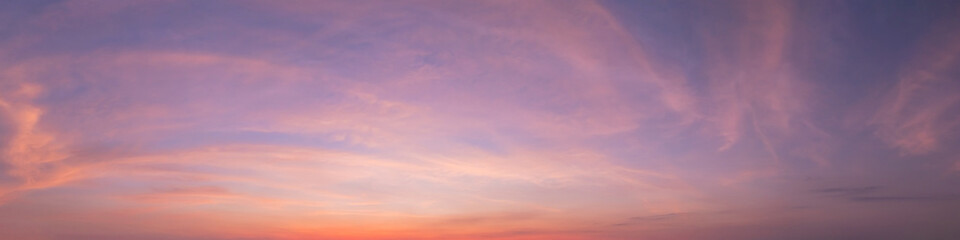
(475, 120)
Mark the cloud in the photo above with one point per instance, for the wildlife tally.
(750, 78)
(874, 194)
(652, 218)
(915, 114)
(170, 194)
(31, 156)
(849, 191)
(904, 198)
(439, 120)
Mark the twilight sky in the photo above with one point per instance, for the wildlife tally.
(526, 119)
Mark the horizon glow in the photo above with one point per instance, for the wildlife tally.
(644, 120)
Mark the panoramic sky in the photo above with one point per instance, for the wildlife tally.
(480, 119)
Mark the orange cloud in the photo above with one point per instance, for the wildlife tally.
(426, 120)
(33, 155)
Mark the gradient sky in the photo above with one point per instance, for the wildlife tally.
(479, 119)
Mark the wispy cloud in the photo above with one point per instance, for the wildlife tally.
(460, 120)
(915, 115)
(32, 156)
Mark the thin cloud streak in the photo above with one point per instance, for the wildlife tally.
(471, 120)
(916, 114)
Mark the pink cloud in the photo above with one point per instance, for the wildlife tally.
(33, 154)
(917, 113)
(433, 120)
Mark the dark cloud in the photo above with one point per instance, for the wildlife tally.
(905, 198)
(874, 194)
(847, 191)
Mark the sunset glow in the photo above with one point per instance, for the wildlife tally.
(521, 119)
